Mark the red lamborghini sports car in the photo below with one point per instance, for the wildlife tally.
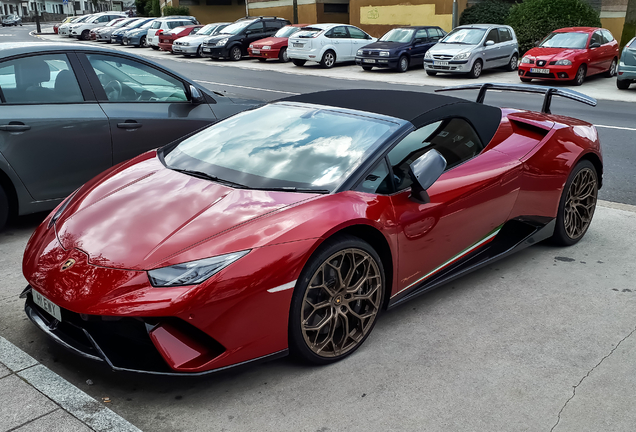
(242, 242)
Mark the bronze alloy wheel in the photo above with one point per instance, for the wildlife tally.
(341, 302)
(580, 203)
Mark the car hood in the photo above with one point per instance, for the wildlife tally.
(386, 45)
(271, 41)
(450, 49)
(554, 53)
(218, 37)
(139, 217)
(194, 39)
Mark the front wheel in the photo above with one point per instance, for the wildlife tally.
(199, 51)
(154, 47)
(580, 75)
(612, 70)
(525, 80)
(143, 42)
(299, 62)
(476, 70)
(577, 205)
(328, 59)
(235, 53)
(431, 73)
(403, 64)
(336, 302)
(367, 68)
(84, 35)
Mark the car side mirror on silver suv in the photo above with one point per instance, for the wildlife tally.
(424, 172)
(489, 43)
(196, 97)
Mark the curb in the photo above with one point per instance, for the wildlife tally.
(71, 399)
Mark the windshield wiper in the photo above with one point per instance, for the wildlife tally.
(206, 176)
(293, 189)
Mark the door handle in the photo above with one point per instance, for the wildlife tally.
(15, 127)
(129, 124)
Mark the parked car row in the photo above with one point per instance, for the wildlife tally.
(568, 54)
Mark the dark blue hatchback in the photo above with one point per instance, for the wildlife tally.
(399, 48)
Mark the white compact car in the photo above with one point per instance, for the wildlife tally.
(327, 44)
(161, 25)
(64, 29)
(81, 30)
(191, 45)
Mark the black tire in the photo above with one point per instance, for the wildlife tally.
(475, 71)
(367, 68)
(4, 208)
(260, 59)
(564, 236)
(340, 302)
(431, 73)
(513, 64)
(199, 51)
(622, 84)
(299, 62)
(611, 72)
(580, 75)
(143, 42)
(84, 35)
(403, 64)
(235, 53)
(525, 80)
(154, 47)
(328, 59)
(282, 55)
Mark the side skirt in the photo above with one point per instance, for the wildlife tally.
(514, 235)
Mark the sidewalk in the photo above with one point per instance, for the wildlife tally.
(36, 399)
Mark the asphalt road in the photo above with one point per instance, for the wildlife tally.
(541, 341)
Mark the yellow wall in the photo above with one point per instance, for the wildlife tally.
(210, 14)
(615, 26)
(307, 14)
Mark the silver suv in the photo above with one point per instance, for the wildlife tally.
(472, 48)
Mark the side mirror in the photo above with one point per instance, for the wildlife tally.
(489, 43)
(424, 172)
(595, 45)
(418, 41)
(249, 32)
(196, 97)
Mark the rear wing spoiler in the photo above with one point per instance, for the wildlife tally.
(548, 92)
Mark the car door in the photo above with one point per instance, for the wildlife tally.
(492, 56)
(507, 45)
(468, 202)
(53, 132)
(358, 39)
(596, 53)
(609, 48)
(146, 107)
(422, 41)
(253, 32)
(339, 38)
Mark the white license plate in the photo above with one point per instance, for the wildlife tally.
(46, 304)
(206, 50)
(298, 45)
(540, 71)
(368, 61)
(256, 51)
(440, 63)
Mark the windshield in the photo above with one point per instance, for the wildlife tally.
(465, 36)
(136, 24)
(287, 31)
(398, 35)
(113, 22)
(565, 40)
(303, 147)
(207, 30)
(126, 22)
(236, 27)
(633, 44)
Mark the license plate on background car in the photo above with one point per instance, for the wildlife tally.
(46, 304)
(298, 45)
(540, 71)
(368, 61)
(256, 51)
(440, 63)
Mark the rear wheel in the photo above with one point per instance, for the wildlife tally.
(235, 53)
(577, 205)
(282, 55)
(299, 62)
(622, 84)
(4, 208)
(612, 70)
(580, 75)
(336, 302)
(476, 70)
(328, 59)
(513, 64)
(403, 64)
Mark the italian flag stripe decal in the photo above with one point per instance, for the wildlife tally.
(490, 237)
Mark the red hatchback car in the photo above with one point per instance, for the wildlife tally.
(167, 39)
(571, 54)
(274, 47)
(243, 243)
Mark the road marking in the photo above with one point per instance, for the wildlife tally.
(616, 127)
(245, 87)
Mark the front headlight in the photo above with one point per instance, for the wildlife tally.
(462, 56)
(222, 42)
(185, 43)
(359, 52)
(428, 55)
(384, 53)
(563, 62)
(527, 60)
(193, 272)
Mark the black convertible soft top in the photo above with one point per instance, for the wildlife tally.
(418, 108)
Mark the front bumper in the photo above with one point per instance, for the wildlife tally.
(116, 39)
(380, 62)
(134, 40)
(556, 72)
(185, 49)
(448, 66)
(261, 53)
(215, 51)
(131, 344)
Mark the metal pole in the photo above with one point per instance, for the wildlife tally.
(247, 9)
(295, 11)
(455, 13)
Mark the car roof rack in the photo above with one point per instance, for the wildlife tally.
(548, 92)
